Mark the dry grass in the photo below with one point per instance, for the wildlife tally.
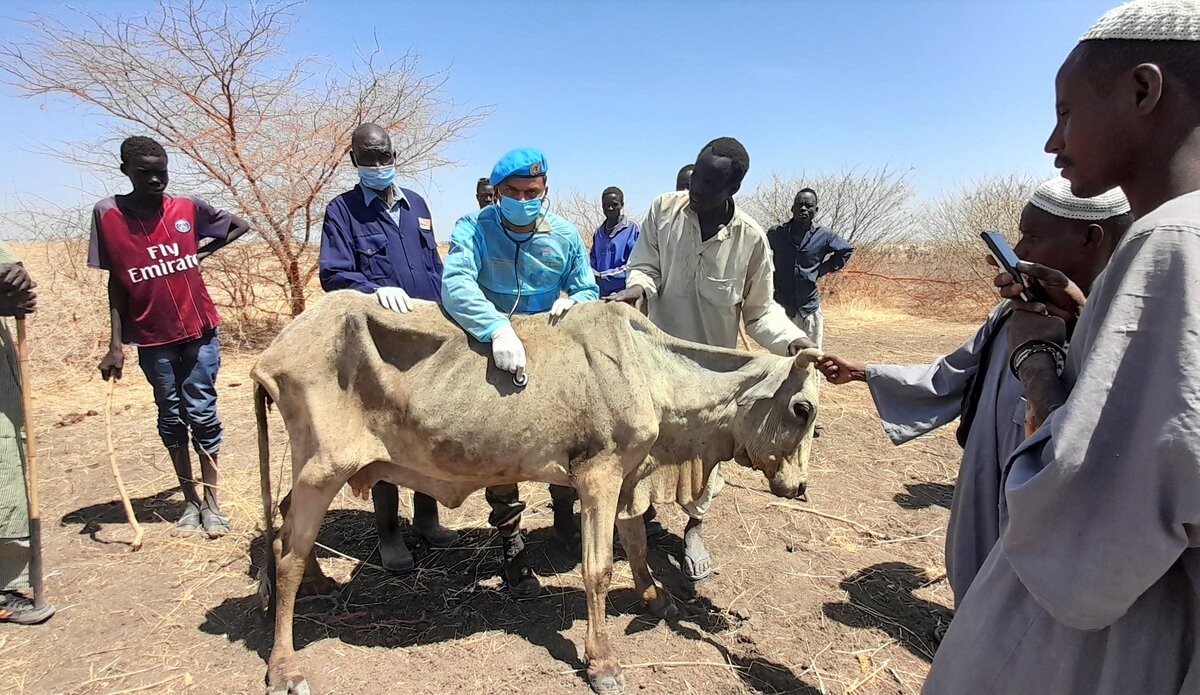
(837, 602)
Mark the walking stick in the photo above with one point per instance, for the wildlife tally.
(31, 480)
(112, 462)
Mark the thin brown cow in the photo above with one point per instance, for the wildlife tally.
(614, 407)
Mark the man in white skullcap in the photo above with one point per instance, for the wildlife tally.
(1094, 584)
(1059, 230)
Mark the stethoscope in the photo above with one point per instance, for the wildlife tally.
(520, 379)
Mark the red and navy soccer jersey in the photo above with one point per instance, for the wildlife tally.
(154, 259)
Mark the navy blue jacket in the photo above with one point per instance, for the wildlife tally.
(363, 249)
(798, 266)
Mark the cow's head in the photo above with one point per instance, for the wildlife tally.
(773, 429)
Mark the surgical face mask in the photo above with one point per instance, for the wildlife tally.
(377, 178)
(520, 212)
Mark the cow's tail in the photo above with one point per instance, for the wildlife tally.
(262, 401)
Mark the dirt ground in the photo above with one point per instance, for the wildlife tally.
(800, 603)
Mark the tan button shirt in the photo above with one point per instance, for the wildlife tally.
(700, 290)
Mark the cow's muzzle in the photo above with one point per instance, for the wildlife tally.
(789, 491)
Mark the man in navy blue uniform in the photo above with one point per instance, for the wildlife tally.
(378, 238)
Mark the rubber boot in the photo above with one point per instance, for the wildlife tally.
(566, 528)
(518, 575)
(427, 525)
(393, 553)
(654, 530)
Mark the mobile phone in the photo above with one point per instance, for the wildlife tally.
(1007, 259)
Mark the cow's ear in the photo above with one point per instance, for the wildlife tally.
(768, 385)
(806, 358)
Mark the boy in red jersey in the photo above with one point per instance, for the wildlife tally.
(150, 244)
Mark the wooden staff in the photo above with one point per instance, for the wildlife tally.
(112, 462)
(31, 479)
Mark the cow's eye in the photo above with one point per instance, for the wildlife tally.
(803, 410)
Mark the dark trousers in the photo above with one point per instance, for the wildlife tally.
(506, 504)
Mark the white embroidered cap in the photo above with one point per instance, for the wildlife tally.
(1054, 196)
(1149, 20)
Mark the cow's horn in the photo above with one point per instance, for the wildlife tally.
(808, 356)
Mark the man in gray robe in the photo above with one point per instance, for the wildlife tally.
(1059, 230)
(1094, 584)
(17, 298)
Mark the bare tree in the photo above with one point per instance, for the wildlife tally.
(952, 222)
(870, 208)
(263, 132)
(951, 225)
(580, 210)
(862, 206)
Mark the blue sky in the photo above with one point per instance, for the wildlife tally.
(623, 92)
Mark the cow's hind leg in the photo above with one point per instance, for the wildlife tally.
(598, 490)
(293, 548)
(633, 539)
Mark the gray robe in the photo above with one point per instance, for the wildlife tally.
(14, 505)
(915, 399)
(1094, 586)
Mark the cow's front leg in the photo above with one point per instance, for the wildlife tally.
(633, 539)
(292, 550)
(598, 491)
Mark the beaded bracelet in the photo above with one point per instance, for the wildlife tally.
(1032, 347)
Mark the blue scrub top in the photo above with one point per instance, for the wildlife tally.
(480, 280)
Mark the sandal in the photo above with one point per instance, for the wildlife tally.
(15, 608)
(215, 523)
(189, 521)
(939, 631)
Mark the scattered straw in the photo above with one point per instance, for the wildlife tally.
(147, 686)
(667, 664)
(825, 515)
(867, 678)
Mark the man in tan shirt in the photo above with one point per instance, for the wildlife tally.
(701, 267)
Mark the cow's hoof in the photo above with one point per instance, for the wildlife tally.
(607, 684)
(297, 686)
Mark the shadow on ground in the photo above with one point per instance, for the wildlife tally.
(455, 592)
(925, 495)
(153, 509)
(881, 597)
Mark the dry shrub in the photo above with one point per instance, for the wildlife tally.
(952, 250)
(582, 211)
(253, 297)
(907, 279)
(69, 332)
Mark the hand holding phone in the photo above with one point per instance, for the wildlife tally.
(1006, 259)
